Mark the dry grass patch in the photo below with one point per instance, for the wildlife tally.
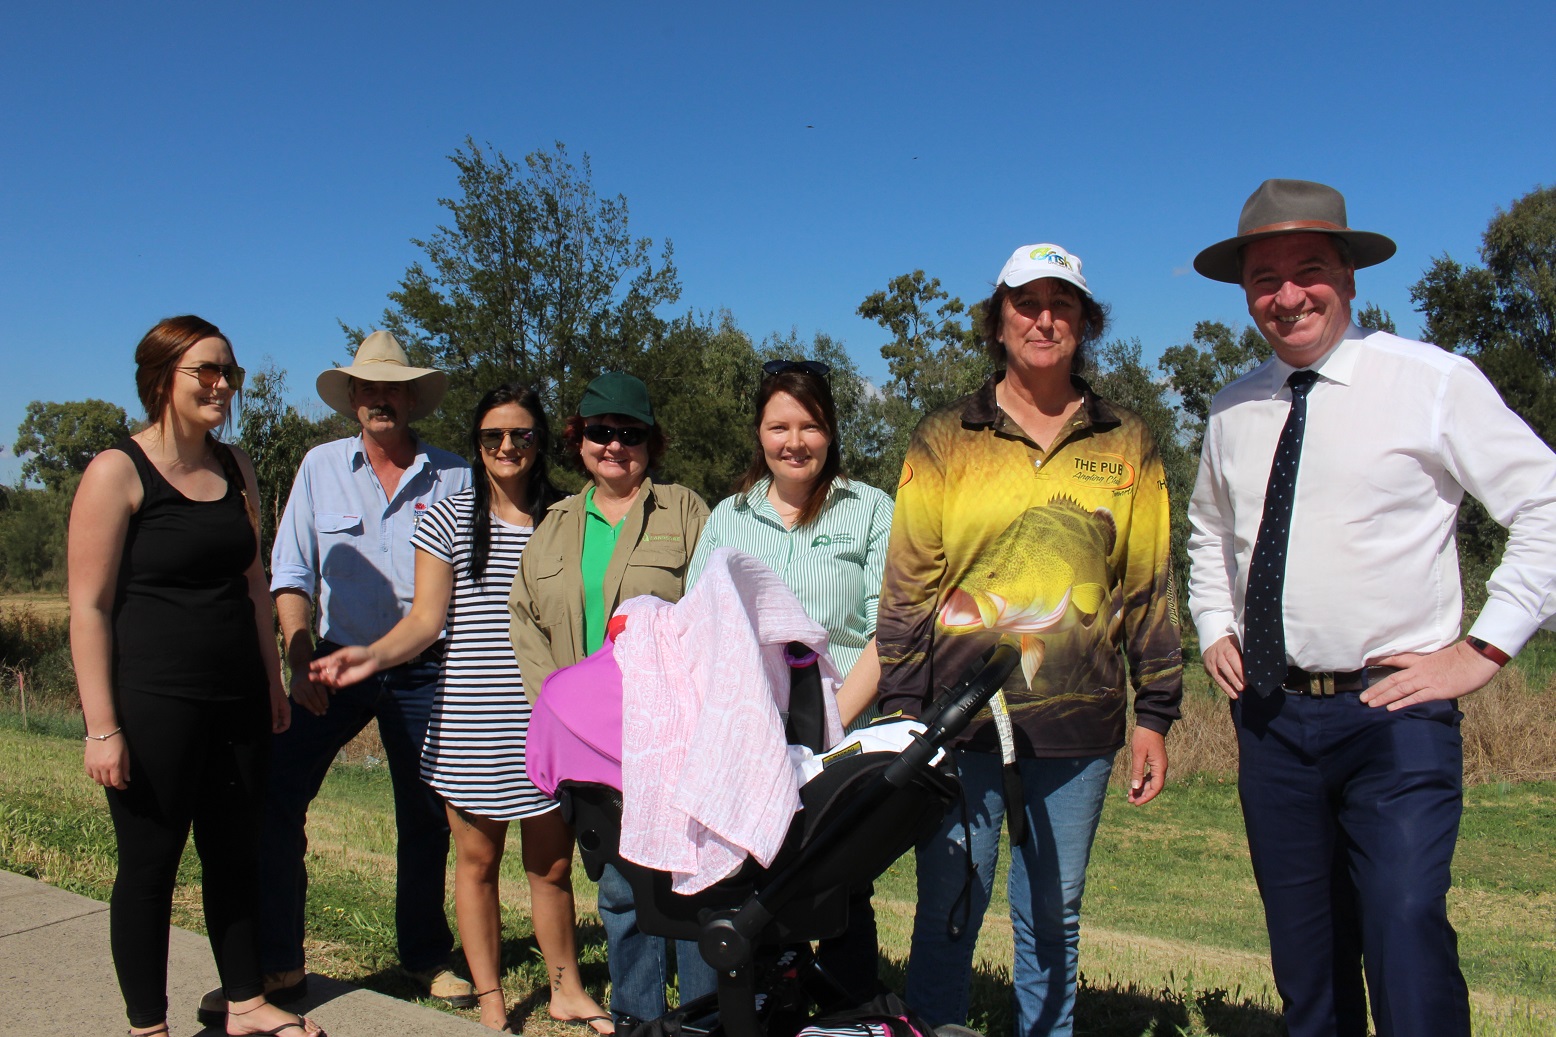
(52, 605)
(1509, 732)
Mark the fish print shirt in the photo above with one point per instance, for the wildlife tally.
(1064, 553)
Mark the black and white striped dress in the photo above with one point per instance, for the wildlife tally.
(474, 753)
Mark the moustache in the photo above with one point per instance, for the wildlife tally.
(382, 411)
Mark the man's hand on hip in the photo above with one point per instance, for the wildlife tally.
(1447, 673)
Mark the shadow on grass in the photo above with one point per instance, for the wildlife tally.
(1129, 1011)
(1110, 1009)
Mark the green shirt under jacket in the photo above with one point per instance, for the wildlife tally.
(653, 548)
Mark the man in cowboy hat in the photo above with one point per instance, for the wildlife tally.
(346, 538)
(1325, 587)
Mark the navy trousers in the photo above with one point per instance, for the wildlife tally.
(1352, 815)
(401, 699)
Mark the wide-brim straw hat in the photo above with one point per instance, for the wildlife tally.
(1290, 207)
(381, 358)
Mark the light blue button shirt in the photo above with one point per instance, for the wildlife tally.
(343, 537)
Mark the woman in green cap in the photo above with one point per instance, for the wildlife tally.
(623, 536)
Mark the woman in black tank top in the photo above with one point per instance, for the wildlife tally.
(174, 646)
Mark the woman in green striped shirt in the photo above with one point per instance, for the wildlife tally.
(825, 536)
(822, 533)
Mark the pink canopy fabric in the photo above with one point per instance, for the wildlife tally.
(575, 726)
(706, 773)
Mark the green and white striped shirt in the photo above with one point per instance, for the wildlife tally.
(833, 565)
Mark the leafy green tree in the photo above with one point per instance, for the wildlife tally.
(935, 356)
(1199, 368)
(1502, 315)
(1370, 316)
(276, 435)
(32, 539)
(1122, 378)
(701, 372)
(536, 280)
(58, 440)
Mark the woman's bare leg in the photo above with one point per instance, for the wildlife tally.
(478, 847)
(548, 864)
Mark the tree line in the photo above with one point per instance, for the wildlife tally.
(536, 278)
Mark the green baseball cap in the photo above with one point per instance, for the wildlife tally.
(616, 392)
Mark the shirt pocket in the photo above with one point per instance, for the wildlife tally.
(550, 599)
(340, 546)
(335, 523)
(658, 569)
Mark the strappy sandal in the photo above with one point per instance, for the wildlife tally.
(302, 1023)
(495, 990)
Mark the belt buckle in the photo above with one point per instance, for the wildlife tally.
(1324, 685)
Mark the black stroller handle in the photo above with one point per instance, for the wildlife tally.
(726, 941)
(952, 712)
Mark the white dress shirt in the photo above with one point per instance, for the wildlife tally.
(1397, 431)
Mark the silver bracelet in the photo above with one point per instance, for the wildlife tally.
(104, 738)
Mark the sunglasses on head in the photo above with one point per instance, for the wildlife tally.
(628, 436)
(212, 374)
(815, 367)
(491, 438)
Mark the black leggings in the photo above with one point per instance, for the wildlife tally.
(196, 763)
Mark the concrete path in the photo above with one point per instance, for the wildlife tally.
(58, 978)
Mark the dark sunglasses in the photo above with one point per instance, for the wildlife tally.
(491, 438)
(211, 374)
(629, 436)
(815, 367)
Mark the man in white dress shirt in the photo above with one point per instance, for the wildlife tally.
(1325, 589)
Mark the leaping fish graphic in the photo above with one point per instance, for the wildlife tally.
(1044, 573)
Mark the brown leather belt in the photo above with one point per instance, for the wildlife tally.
(1304, 682)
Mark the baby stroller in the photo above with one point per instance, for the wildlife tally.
(858, 816)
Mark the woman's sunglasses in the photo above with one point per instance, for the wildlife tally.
(491, 438)
(815, 367)
(629, 436)
(210, 375)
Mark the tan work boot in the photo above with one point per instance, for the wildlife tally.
(447, 986)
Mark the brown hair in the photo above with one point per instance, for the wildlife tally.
(157, 357)
(813, 393)
(1094, 324)
(572, 440)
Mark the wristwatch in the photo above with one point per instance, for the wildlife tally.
(1490, 651)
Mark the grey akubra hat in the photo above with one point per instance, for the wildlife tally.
(1290, 207)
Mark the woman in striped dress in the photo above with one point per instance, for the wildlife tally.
(467, 552)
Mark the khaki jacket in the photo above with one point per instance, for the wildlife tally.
(547, 600)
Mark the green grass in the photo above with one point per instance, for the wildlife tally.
(1172, 943)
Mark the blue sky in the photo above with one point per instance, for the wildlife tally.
(266, 166)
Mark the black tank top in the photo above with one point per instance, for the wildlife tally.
(183, 621)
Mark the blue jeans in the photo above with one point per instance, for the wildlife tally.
(1063, 800)
(401, 699)
(638, 967)
(1352, 815)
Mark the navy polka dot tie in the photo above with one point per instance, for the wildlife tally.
(1264, 633)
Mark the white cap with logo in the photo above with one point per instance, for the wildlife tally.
(1030, 262)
